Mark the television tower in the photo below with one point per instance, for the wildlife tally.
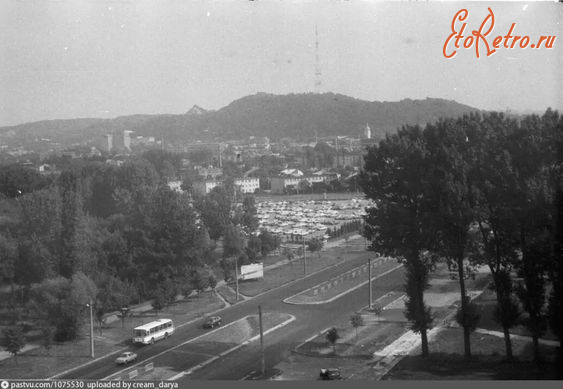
(318, 73)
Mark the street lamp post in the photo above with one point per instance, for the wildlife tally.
(369, 283)
(91, 329)
(304, 257)
(124, 311)
(236, 277)
(262, 341)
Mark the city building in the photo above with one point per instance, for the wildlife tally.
(175, 185)
(280, 184)
(106, 144)
(367, 132)
(344, 159)
(209, 172)
(248, 184)
(201, 188)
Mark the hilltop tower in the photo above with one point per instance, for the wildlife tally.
(318, 73)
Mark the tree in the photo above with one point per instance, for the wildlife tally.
(332, 336)
(315, 245)
(159, 301)
(397, 176)
(555, 308)
(212, 282)
(215, 211)
(254, 248)
(201, 156)
(165, 163)
(290, 254)
(47, 333)
(269, 242)
(227, 269)
(233, 242)
(113, 295)
(535, 161)
(452, 159)
(416, 281)
(73, 254)
(136, 173)
(249, 220)
(60, 302)
(199, 282)
(494, 188)
(8, 258)
(304, 186)
(507, 311)
(357, 321)
(161, 237)
(17, 180)
(325, 154)
(13, 341)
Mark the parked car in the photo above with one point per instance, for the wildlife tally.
(126, 358)
(330, 374)
(212, 322)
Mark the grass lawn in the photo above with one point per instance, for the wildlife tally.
(295, 270)
(446, 361)
(42, 363)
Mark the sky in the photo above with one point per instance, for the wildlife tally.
(63, 59)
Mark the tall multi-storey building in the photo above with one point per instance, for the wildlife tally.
(122, 141)
(367, 132)
(106, 144)
(127, 140)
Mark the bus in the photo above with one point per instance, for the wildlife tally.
(153, 331)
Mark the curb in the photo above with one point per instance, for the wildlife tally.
(213, 359)
(127, 348)
(247, 298)
(295, 349)
(175, 347)
(286, 300)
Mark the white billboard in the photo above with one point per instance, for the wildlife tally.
(249, 272)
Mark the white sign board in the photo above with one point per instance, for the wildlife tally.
(249, 272)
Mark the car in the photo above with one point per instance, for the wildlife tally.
(212, 322)
(330, 374)
(126, 358)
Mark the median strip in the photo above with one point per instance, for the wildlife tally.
(205, 363)
(303, 297)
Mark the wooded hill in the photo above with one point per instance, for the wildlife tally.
(298, 116)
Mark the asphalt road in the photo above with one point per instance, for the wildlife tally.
(310, 320)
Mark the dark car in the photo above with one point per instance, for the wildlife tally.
(212, 322)
(330, 374)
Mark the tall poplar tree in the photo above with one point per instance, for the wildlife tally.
(396, 177)
(449, 142)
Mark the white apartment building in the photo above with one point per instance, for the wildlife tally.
(280, 183)
(201, 188)
(248, 184)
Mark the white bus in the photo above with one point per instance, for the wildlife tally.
(153, 331)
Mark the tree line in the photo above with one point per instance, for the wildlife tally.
(115, 234)
(483, 189)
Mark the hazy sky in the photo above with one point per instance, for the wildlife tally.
(106, 58)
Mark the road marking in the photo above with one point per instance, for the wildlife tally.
(311, 338)
(207, 362)
(181, 344)
(286, 300)
(249, 298)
